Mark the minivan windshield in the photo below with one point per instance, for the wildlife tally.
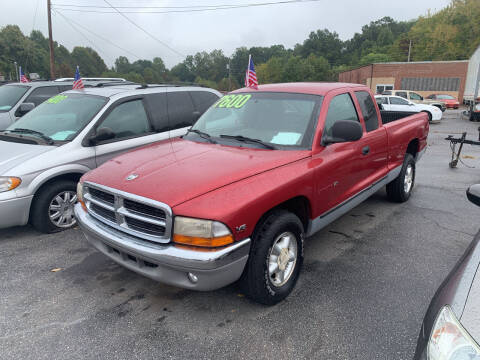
(274, 120)
(10, 95)
(61, 117)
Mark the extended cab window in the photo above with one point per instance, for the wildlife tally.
(398, 101)
(39, 95)
(128, 119)
(341, 108)
(180, 109)
(369, 111)
(402, 94)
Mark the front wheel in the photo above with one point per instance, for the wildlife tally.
(399, 190)
(52, 209)
(276, 258)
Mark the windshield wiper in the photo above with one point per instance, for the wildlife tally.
(48, 139)
(247, 139)
(202, 134)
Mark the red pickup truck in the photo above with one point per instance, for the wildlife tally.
(259, 172)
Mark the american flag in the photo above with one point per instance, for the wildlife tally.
(77, 82)
(23, 77)
(251, 76)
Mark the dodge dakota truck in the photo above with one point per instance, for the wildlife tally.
(235, 197)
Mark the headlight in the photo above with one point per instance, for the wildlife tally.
(9, 183)
(449, 340)
(198, 232)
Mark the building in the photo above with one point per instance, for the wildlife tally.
(457, 78)
(424, 77)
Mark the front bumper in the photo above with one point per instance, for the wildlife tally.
(165, 262)
(14, 212)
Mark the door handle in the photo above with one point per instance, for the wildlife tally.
(365, 150)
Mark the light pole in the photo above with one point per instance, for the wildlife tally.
(16, 69)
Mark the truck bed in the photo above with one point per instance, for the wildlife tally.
(389, 116)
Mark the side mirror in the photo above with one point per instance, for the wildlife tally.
(473, 194)
(411, 104)
(344, 131)
(24, 108)
(421, 98)
(102, 134)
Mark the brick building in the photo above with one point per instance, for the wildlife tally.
(424, 77)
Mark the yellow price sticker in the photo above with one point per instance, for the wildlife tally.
(233, 101)
(56, 99)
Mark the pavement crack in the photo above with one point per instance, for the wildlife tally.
(52, 324)
(339, 233)
(446, 228)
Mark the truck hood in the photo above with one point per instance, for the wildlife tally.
(175, 171)
(13, 154)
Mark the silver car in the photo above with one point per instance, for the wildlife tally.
(44, 153)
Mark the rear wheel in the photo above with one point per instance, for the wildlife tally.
(52, 209)
(399, 190)
(275, 260)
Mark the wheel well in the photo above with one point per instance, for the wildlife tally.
(412, 148)
(428, 113)
(69, 176)
(299, 206)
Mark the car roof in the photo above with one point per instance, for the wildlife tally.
(314, 88)
(135, 89)
(39, 83)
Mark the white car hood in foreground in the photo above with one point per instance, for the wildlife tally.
(13, 154)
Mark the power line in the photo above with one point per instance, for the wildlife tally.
(145, 31)
(101, 37)
(182, 10)
(78, 31)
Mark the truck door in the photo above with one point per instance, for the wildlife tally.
(373, 144)
(336, 169)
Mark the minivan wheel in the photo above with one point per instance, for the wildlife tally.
(275, 260)
(399, 190)
(52, 209)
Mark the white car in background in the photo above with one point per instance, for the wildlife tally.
(397, 103)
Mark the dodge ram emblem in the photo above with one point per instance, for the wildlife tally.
(131, 177)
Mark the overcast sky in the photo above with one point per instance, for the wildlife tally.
(187, 33)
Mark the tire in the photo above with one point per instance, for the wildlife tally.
(46, 202)
(397, 190)
(429, 116)
(257, 282)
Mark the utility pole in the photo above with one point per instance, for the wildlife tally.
(409, 50)
(229, 78)
(16, 70)
(50, 40)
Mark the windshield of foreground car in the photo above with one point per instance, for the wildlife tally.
(61, 117)
(283, 120)
(9, 96)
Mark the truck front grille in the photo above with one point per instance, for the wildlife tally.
(138, 216)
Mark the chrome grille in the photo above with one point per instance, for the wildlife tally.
(144, 218)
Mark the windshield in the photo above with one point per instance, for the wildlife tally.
(61, 117)
(445, 97)
(9, 96)
(280, 119)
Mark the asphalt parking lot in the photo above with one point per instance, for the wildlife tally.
(366, 283)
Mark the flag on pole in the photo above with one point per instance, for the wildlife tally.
(77, 82)
(23, 77)
(251, 76)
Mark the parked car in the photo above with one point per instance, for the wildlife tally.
(449, 100)
(451, 327)
(44, 153)
(397, 103)
(257, 173)
(416, 98)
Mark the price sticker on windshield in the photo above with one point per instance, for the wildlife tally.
(56, 99)
(233, 101)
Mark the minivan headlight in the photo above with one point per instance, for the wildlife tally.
(9, 183)
(449, 340)
(199, 232)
